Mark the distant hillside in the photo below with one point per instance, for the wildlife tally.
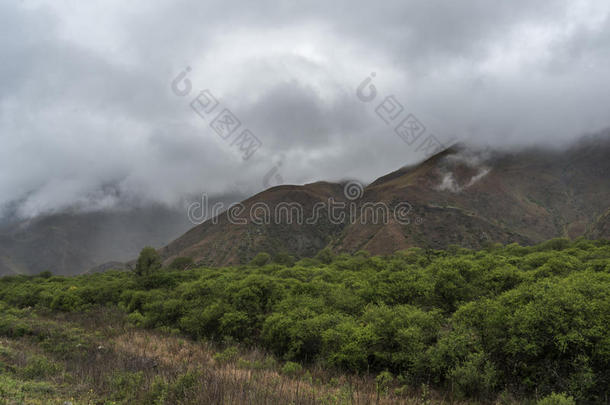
(601, 228)
(228, 243)
(459, 197)
(74, 243)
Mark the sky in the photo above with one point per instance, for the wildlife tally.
(112, 103)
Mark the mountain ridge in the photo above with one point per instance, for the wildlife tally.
(460, 196)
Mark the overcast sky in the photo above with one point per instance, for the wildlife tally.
(88, 116)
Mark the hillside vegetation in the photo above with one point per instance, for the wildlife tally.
(498, 325)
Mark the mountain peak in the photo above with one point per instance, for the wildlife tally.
(462, 195)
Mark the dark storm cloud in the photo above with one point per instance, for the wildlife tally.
(86, 105)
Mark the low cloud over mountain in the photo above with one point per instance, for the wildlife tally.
(88, 120)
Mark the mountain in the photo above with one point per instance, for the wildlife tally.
(72, 243)
(228, 242)
(461, 196)
(601, 227)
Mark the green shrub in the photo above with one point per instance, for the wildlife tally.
(68, 300)
(325, 256)
(136, 318)
(383, 381)
(475, 377)
(38, 387)
(235, 325)
(521, 320)
(124, 385)
(291, 369)
(39, 367)
(261, 259)
(148, 262)
(183, 384)
(284, 259)
(158, 392)
(227, 356)
(556, 399)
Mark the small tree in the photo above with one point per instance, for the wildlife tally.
(556, 399)
(325, 255)
(148, 262)
(261, 259)
(285, 259)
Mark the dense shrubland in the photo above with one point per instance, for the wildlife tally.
(522, 321)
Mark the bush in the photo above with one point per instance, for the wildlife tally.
(38, 387)
(525, 320)
(261, 259)
(284, 259)
(67, 301)
(124, 385)
(136, 318)
(148, 262)
(39, 367)
(475, 377)
(556, 399)
(325, 255)
(291, 369)
(158, 392)
(184, 383)
(383, 381)
(229, 355)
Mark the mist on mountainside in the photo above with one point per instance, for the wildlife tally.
(72, 241)
(461, 196)
(90, 115)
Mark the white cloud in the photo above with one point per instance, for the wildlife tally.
(87, 117)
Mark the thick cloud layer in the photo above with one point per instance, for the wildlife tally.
(88, 118)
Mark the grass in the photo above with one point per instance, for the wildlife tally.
(99, 358)
(499, 325)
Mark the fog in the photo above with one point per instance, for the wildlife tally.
(89, 119)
